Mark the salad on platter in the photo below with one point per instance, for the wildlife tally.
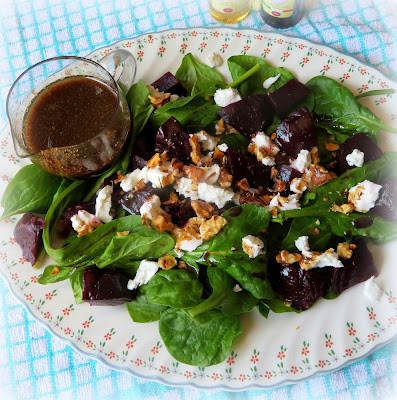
(262, 193)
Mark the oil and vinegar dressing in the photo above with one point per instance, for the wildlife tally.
(69, 112)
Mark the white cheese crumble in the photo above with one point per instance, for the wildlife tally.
(302, 162)
(223, 147)
(158, 174)
(290, 203)
(151, 208)
(213, 194)
(298, 185)
(214, 60)
(207, 142)
(328, 259)
(372, 291)
(191, 244)
(103, 204)
(224, 97)
(264, 141)
(84, 218)
(131, 179)
(355, 158)
(184, 187)
(252, 246)
(364, 195)
(211, 174)
(269, 81)
(268, 161)
(302, 244)
(237, 288)
(146, 271)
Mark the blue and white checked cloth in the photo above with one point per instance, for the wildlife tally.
(33, 364)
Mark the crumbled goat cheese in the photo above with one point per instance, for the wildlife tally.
(103, 204)
(269, 161)
(303, 161)
(191, 244)
(355, 158)
(131, 179)
(207, 142)
(184, 187)
(214, 60)
(364, 195)
(179, 253)
(83, 218)
(213, 194)
(252, 246)
(223, 147)
(211, 174)
(302, 244)
(264, 141)
(291, 203)
(269, 81)
(146, 271)
(157, 93)
(328, 259)
(237, 288)
(151, 208)
(298, 185)
(224, 97)
(158, 174)
(372, 291)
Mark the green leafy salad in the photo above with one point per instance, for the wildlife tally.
(262, 193)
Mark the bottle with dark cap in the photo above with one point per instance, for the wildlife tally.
(282, 14)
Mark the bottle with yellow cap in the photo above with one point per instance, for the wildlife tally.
(229, 11)
(282, 14)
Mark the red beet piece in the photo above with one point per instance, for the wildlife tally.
(64, 227)
(28, 234)
(169, 84)
(359, 268)
(297, 133)
(133, 201)
(241, 166)
(173, 138)
(181, 214)
(287, 174)
(386, 205)
(284, 99)
(143, 148)
(298, 286)
(250, 115)
(104, 288)
(361, 142)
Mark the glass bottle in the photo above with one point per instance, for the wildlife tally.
(229, 11)
(282, 14)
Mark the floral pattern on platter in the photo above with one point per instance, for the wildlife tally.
(252, 363)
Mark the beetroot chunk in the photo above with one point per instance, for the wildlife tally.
(133, 201)
(28, 234)
(359, 268)
(287, 174)
(284, 99)
(361, 142)
(174, 139)
(249, 115)
(169, 84)
(297, 133)
(181, 214)
(386, 205)
(104, 288)
(241, 166)
(64, 227)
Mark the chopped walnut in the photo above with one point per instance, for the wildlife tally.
(210, 228)
(182, 265)
(154, 161)
(266, 198)
(196, 149)
(243, 184)
(280, 185)
(177, 168)
(120, 177)
(314, 155)
(167, 262)
(331, 146)
(218, 155)
(191, 230)
(145, 221)
(140, 185)
(162, 223)
(346, 208)
(158, 101)
(273, 172)
(220, 127)
(202, 208)
(55, 271)
(345, 250)
(225, 179)
(314, 231)
(124, 233)
(284, 257)
(194, 173)
(173, 200)
(320, 175)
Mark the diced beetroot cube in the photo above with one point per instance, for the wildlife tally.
(181, 214)
(169, 84)
(386, 205)
(297, 133)
(359, 268)
(28, 234)
(143, 149)
(104, 288)
(133, 201)
(281, 159)
(361, 142)
(298, 286)
(284, 99)
(173, 138)
(250, 115)
(241, 166)
(64, 227)
(287, 174)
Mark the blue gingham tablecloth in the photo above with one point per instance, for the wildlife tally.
(35, 365)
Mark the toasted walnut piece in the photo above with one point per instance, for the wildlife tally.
(314, 155)
(182, 265)
(287, 303)
(225, 179)
(124, 233)
(161, 224)
(266, 198)
(120, 177)
(145, 221)
(331, 146)
(159, 101)
(154, 161)
(167, 180)
(243, 184)
(344, 208)
(177, 168)
(345, 250)
(173, 200)
(300, 184)
(196, 149)
(194, 173)
(140, 184)
(220, 127)
(202, 208)
(314, 231)
(273, 172)
(55, 271)
(252, 147)
(167, 262)
(279, 186)
(284, 257)
(218, 155)
(190, 230)
(320, 175)
(274, 135)
(229, 129)
(210, 228)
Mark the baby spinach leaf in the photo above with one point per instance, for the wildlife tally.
(238, 65)
(338, 110)
(196, 76)
(76, 281)
(275, 305)
(201, 341)
(135, 246)
(31, 189)
(141, 310)
(176, 288)
(55, 273)
(236, 142)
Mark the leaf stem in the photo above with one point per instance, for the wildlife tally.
(375, 93)
(245, 76)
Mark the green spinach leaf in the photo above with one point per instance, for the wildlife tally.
(76, 281)
(236, 142)
(141, 310)
(55, 273)
(275, 305)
